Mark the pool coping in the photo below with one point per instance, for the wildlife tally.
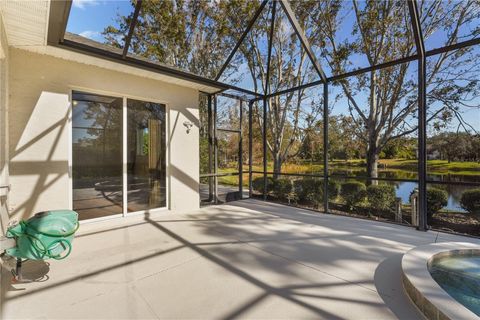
(434, 302)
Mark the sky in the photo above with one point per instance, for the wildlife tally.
(88, 18)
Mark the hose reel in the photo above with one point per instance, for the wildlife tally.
(46, 235)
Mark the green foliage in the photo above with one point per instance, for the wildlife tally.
(282, 188)
(353, 192)
(436, 200)
(173, 38)
(309, 190)
(456, 146)
(400, 148)
(343, 141)
(333, 189)
(203, 155)
(470, 200)
(258, 184)
(312, 146)
(196, 36)
(381, 197)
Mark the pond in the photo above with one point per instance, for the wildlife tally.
(404, 189)
(454, 193)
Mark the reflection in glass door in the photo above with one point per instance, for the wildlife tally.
(96, 155)
(100, 175)
(146, 155)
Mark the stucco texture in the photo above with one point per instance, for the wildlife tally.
(39, 134)
(4, 66)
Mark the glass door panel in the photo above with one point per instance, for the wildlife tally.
(228, 165)
(146, 155)
(97, 155)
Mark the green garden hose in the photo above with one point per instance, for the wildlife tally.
(45, 251)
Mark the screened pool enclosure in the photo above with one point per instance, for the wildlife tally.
(362, 108)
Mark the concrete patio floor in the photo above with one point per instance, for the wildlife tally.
(247, 259)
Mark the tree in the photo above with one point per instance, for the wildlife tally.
(343, 141)
(381, 33)
(455, 146)
(204, 134)
(192, 35)
(197, 35)
(381, 105)
(400, 148)
(311, 148)
(475, 148)
(290, 115)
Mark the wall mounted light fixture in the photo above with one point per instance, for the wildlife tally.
(188, 125)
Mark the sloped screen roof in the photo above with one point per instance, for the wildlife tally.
(238, 42)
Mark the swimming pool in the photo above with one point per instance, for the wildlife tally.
(443, 279)
(458, 273)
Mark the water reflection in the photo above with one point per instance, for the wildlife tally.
(405, 174)
(404, 189)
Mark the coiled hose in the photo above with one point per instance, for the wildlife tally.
(44, 250)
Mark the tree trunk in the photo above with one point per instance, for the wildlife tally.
(372, 164)
(277, 165)
(372, 148)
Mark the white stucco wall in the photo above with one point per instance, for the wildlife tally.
(4, 67)
(39, 137)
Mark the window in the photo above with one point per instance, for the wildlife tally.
(145, 155)
(98, 149)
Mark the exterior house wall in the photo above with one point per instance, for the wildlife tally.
(4, 68)
(40, 87)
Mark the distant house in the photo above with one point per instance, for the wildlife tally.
(433, 155)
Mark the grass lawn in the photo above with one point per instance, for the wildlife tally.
(440, 167)
(435, 166)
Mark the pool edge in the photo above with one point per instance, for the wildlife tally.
(434, 302)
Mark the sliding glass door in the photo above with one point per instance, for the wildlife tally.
(108, 161)
(146, 179)
(97, 155)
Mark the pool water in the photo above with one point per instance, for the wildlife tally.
(459, 276)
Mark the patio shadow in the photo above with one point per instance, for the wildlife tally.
(388, 281)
